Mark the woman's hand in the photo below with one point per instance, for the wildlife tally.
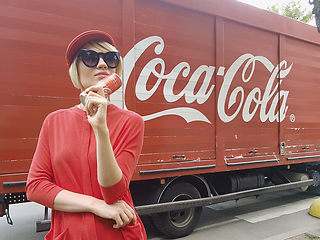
(96, 106)
(119, 211)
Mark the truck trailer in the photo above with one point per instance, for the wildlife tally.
(229, 94)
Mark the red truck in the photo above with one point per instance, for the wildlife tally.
(229, 94)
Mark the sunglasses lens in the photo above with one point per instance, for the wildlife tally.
(112, 59)
(90, 58)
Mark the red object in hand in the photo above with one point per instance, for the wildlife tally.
(109, 84)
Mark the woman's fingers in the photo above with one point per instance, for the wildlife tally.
(132, 215)
(96, 108)
(126, 214)
(119, 211)
(122, 220)
(119, 223)
(96, 89)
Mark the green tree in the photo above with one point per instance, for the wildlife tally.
(292, 10)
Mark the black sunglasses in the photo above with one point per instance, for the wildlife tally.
(91, 58)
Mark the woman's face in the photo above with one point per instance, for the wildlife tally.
(91, 76)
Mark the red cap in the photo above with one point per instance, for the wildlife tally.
(82, 39)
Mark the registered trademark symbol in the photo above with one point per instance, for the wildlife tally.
(292, 118)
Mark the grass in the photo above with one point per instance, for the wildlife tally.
(309, 236)
(304, 236)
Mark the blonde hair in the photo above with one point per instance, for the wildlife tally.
(101, 46)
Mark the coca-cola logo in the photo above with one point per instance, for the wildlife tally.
(253, 103)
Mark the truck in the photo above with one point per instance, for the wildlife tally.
(229, 94)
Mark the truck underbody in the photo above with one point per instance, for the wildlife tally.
(174, 205)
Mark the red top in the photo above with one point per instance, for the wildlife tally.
(65, 158)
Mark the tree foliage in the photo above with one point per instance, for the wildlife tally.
(293, 10)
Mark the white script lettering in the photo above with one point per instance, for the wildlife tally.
(269, 93)
(256, 97)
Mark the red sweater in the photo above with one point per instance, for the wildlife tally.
(65, 158)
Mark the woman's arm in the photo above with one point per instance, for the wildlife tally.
(108, 170)
(119, 211)
(114, 174)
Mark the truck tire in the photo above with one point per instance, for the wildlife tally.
(178, 223)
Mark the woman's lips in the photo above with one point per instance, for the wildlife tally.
(101, 75)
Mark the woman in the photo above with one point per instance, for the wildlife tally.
(86, 155)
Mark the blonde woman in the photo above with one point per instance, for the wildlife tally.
(86, 154)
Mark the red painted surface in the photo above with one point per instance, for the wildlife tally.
(222, 116)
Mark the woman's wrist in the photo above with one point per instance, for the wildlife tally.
(101, 130)
(94, 206)
(67, 201)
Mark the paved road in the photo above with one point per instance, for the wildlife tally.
(24, 216)
(276, 216)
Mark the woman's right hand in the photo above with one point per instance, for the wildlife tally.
(119, 211)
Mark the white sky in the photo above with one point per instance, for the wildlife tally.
(268, 3)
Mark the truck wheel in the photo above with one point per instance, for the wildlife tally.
(178, 223)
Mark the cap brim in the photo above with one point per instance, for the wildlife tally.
(75, 45)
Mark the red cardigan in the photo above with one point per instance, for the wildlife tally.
(65, 158)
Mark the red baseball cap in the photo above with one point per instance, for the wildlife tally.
(82, 39)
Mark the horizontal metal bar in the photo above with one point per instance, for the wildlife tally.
(14, 184)
(170, 206)
(176, 169)
(252, 162)
(303, 157)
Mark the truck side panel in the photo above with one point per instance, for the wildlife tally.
(204, 76)
(301, 130)
(186, 47)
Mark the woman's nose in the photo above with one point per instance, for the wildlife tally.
(101, 63)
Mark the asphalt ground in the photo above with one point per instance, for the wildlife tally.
(277, 216)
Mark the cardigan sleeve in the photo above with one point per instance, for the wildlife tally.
(40, 186)
(131, 144)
